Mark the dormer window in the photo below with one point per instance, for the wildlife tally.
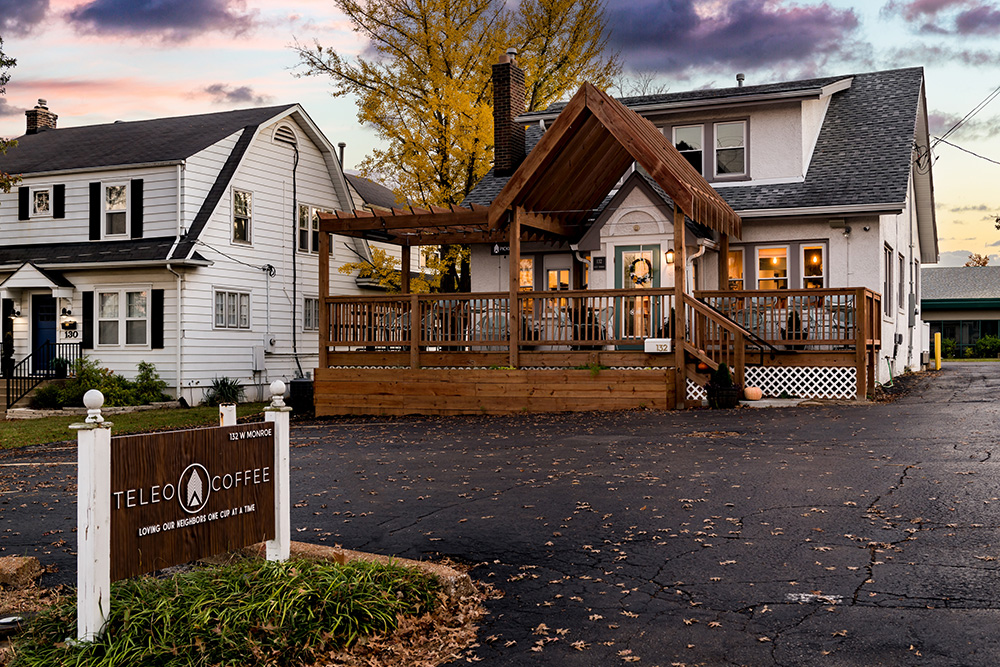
(689, 142)
(730, 149)
(115, 210)
(41, 203)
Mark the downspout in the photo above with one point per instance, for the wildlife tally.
(913, 282)
(689, 278)
(295, 263)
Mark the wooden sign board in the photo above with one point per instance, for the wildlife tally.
(184, 495)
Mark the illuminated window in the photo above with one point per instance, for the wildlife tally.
(736, 269)
(242, 216)
(772, 268)
(813, 267)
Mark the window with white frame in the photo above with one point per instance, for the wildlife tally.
(41, 202)
(309, 228)
(902, 282)
(772, 268)
(232, 310)
(813, 266)
(887, 282)
(689, 142)
(730, 148)
(115, 209)
(123, 317)
(310, 314)
(242, 216)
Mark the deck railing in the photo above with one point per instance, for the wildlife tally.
(814, 319)
(566, 320)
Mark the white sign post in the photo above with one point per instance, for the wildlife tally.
(93, 564)
(277, 412)
(93, 520)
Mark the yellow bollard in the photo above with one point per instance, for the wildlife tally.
(937, 351)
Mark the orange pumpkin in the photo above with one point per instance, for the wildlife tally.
(702, 366)
(753, 393)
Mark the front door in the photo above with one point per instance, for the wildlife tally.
(43, 332)
(638, 268)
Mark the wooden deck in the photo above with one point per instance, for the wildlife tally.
(573, 350)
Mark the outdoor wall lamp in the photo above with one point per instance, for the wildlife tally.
(67, 312)
(16, 312)
(670, 256)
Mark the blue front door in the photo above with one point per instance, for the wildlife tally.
(43, 332)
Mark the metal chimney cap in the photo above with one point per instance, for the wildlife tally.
(740, 78)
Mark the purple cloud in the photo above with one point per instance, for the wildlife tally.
(225, 94)
(7, 110)
(916, 10)
(18, 17)
(975, 128)
(175, 20)
(672, 36)
(980, 20)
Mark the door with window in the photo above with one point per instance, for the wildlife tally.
(43, 332)
(638, 268)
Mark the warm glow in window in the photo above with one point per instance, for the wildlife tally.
(735, 269)
(772, 268)
(813, 267)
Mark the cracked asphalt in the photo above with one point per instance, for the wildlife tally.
(830, 535)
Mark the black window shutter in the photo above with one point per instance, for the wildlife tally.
(87, 321)
(23, 202)
(59, 201)
(95, 211)
(136, 205)
(156, 321)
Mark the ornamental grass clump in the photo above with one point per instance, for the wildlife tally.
(249, 613)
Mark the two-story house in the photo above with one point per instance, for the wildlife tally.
(831, 177)
(188, 242)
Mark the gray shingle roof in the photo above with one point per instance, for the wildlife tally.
(960, 282)
(132, 142)
(89, 252)
(708, 94)
(862, 155)
(373, 193)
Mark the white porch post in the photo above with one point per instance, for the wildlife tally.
(278, 413)
(93, 519)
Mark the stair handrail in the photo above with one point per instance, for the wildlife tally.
(20, 385)
(736, 327)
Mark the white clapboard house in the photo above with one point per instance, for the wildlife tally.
(188, 242)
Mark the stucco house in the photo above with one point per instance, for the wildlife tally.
(831, 177)
(189, 242)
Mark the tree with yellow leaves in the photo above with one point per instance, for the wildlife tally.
(6, 180)
(425, 87)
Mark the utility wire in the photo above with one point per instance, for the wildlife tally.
(265, 267)
(966, 150)
(979, 107)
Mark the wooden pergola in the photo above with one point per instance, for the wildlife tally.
(551, 197)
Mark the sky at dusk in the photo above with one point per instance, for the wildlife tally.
(97, 61)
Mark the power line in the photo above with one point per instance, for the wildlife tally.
(966, 150)
(979, 107)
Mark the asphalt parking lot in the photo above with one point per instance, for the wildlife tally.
(827, 535)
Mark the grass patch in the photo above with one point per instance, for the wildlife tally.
(251, 612)
(24, 432)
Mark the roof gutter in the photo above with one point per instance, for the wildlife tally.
(853, 209)
(112, 167)
(114, 265)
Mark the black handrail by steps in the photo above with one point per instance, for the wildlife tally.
(24, 377)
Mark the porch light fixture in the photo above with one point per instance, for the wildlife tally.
(16, 312)
(66, 312)
(669, 256)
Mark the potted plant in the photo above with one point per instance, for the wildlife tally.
(60, 366)
(722, 391)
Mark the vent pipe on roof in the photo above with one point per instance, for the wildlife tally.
(740, 77)
(342, 145)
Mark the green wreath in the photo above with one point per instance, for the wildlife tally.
(643, 279)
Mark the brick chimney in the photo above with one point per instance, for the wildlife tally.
(508, 103)
(40, 119)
